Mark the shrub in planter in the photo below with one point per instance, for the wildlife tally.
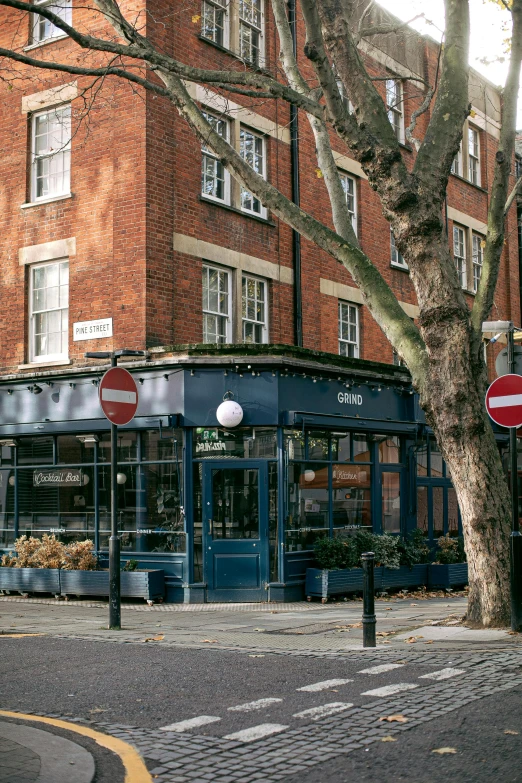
(79, 556)
(450, 550)
(48, 552)
(334, 553)
(414, 549)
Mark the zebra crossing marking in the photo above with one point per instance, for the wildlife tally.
(389, 690)
(443, 674)
(259, 704)
(190, 723)
(383, 667)
(322, 686)
(323, 710)
(256, 732)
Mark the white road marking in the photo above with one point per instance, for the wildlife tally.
(118, 395)
(505, 401)
(389, 690)
(191, 723)
(254, 705)
(323, 686)
(443, 674)
(256, 732)
(384, 667)
(324, 710)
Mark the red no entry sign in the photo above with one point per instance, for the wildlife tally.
(118, 395)
(504, 401)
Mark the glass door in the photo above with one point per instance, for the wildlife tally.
(235, 530)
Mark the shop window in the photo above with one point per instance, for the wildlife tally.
(438, 511)
(273, 522)
(361, 449)
(391, 502)
(341, 446)
(35, 451)
(254, 310)
(48, 311)
(235, 504)
(422, 460)
(43, 29)
(244, 443)
(436, 461)
(422, 509)
(75, 449)
(389, 448)
(317, 445)
(351, 496)
(7, 496)
(307, 505)
(453, 513)
(215, 179)
(167, 447)
(217, 305)
(197, 535)
(295, 444)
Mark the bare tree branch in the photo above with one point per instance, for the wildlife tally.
(517, 190)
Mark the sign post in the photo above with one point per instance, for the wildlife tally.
(118, 395)
(504, 405)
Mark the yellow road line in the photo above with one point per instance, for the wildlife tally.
(18, 635)
(135, 769)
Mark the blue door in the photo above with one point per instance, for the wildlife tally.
(235, 530)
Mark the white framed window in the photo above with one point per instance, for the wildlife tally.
(48, 311)
(217, 305)
(477, 244)
(215, 179)
(456, 166)
(459, 254)
(215, 21)
(43, 29)
(252, 148)
(349, 186)
(473, 156)
(251, 31)
(348, 329)
(51, 153)
(396, 258)
(394, 104)
(254, 310)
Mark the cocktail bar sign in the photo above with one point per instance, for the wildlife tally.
(68, 477)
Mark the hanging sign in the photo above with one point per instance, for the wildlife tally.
(58, 477)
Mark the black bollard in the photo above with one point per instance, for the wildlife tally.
(368, 618)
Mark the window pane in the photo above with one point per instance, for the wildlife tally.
(295, 444)
(453, 513)
(435, 460)
(389, 449)
(391, 502)
(307, 505)
(351, 496)
(235, 504)
(244, 442)
(438, 511)
(341, 446)
(361, 449)
(422, 509)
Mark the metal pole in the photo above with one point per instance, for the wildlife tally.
(516, 537)
(368, 619)
(114, 541)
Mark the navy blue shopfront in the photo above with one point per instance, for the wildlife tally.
(230, 515)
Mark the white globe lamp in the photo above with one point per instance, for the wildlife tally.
(121, 478)
(309, 475)
(229, 414)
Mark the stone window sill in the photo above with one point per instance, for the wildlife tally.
(471, 184)
(49, 200)
(44, 43)
(36, 365)
(266, 221)
(399, 267)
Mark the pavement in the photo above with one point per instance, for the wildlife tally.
(263, 692)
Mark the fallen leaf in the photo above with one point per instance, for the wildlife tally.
(259, 630)
(388, 738)
(430, 641)
(395, 719)
(413, 604)
(209, 641)
(384, 633)
(158, 638)
(510, 731)
(444, 751)
(388, 609)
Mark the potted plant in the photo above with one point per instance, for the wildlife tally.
(450, 568)
(47, 565)
(414, 556)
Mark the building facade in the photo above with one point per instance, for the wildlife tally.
(120, 230)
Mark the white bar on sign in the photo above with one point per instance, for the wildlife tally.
(117, 395)
(507, 401)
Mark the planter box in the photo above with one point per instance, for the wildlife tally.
(30, 580)
(405, 577)
(149, 585)
(447, 575)
(323, 583)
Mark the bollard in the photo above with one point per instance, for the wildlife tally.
(368, 618)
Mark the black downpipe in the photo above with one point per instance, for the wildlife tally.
(519, 221)
(296, 196)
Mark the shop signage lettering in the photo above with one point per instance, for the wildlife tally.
(57, 478)
(57, 530)
(349, 398)
(210, 445)
(92, 330)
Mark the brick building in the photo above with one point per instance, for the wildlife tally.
(119, 230)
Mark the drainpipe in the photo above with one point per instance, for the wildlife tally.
(294, 165)
(519, 221)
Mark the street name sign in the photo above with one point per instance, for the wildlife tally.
(118, 395)
(504, 401)
(92, 330)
